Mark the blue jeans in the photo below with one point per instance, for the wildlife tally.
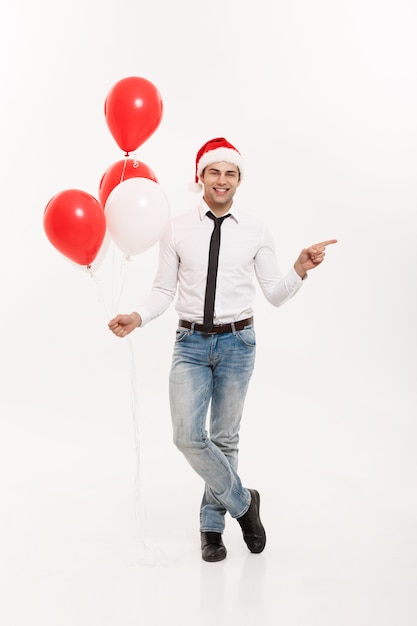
(212, 369)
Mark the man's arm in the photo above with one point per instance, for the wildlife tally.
(161, 295)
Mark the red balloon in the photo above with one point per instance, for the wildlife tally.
(120, 171)
(75, 224)
(133, 111)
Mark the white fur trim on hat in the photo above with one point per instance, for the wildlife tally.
(195, 187)
(220, 154)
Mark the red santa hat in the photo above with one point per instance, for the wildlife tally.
(215, 150)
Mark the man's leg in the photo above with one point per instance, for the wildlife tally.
(232, 370)
(191, 385)
(233, 365)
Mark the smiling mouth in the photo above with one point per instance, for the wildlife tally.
(220, 190)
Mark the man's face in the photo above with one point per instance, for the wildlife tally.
(220, 181)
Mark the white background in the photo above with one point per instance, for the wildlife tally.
(320, 97)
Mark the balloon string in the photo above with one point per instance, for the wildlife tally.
(151, 553)
(121, 281)
(113, 282)
(135, 164)
(122, 176)
(118, 282)
(99, 289)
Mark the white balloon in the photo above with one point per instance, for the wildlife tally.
(137, 214)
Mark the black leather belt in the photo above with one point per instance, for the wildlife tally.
(218, 328)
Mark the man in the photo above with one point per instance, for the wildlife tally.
(217, 246)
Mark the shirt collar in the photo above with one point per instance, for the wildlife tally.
(203, 207)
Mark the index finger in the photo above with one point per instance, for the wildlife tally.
(326, 243)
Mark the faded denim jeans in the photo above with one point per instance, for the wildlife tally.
(212, 372)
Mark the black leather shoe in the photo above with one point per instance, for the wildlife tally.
(253, 531)
(212, 547)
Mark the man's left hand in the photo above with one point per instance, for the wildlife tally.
(311, 257)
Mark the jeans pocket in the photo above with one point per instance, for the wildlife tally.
(180, 334)
(247, 336)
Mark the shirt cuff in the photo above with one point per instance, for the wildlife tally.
(294, 280)
(145, 316)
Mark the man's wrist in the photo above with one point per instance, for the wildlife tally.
(137, 319)
(300, 270)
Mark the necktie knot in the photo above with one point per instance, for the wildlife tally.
(218, 221)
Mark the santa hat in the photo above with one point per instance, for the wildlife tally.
(213, 151)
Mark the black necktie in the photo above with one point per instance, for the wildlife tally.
(212, 271)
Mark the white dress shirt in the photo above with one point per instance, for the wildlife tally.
(246, 251)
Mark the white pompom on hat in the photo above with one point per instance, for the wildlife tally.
(215, 150)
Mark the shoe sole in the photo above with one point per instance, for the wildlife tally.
(215, 560)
